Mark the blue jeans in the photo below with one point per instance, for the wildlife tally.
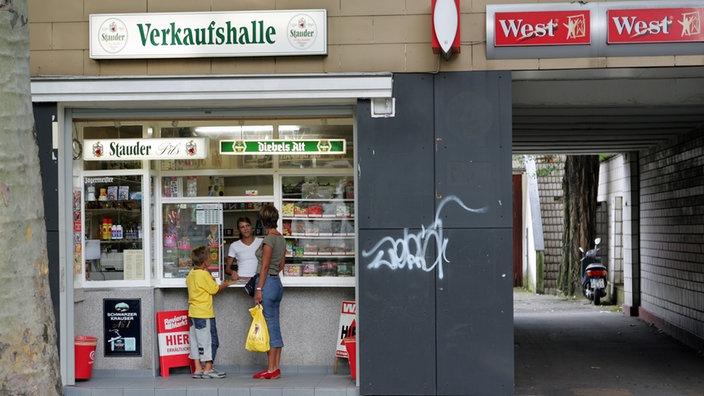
(272, 293)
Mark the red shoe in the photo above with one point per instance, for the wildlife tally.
(261, 374)
(276, 374)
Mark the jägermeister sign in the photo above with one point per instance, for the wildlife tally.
(279, 147)
(208, 34)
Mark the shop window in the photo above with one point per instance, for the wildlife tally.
(214, 135)
(323, 131)
(113, 228)
(195, 202)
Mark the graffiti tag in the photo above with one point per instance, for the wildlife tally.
(409, 251)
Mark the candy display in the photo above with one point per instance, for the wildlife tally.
(293, 270)
(318, 223)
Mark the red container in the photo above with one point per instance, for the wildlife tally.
(84, 356)
(351, 346)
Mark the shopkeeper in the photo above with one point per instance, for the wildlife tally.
(242, 252)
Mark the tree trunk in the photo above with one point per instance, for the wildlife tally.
(580, 184)
(28, 352)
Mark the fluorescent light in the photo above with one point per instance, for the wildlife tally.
(219, 130)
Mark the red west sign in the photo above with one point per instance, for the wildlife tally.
(517, 29)
(655, 25)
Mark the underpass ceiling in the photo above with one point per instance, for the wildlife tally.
(599, 111)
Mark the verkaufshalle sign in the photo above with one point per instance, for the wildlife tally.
(208, 34)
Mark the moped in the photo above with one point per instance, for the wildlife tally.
(593, 274)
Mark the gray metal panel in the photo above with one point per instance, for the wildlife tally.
(473, 133)
(395, 180)
(44, 113)
(475, 314)
(421, 243)
(396, 323)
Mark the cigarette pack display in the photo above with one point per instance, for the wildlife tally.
(112, 193)
(123, 193)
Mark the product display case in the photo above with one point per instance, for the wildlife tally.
(318, 224)
(186, 226)
(113, 228)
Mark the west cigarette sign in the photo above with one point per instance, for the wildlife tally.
(594, 29)
(542, 28)
(655, 25)
(208, 34)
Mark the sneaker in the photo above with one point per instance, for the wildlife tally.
(213, 374)
(197, 375)
(220, 373)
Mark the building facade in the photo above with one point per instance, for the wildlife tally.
(170, 120)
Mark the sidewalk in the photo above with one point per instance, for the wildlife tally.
(568, 347)
(562, 348)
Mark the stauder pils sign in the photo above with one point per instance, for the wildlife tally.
(144, 149)
(280, 147)
(208, 34)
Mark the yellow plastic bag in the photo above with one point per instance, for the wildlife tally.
(258, 337)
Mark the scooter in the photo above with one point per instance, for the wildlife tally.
(593, 274)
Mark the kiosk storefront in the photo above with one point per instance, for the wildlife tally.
(160, 175)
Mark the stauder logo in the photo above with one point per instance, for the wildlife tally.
(302, 31)
(112, 35)
(98, 149)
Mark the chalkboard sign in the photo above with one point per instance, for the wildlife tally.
(122, 334)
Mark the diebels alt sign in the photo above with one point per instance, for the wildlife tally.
(208, 34)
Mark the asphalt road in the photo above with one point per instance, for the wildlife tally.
(568, 347)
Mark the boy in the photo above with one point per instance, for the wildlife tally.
(203, 332)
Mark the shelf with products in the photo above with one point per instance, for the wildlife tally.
(113, 227)
(318, 223)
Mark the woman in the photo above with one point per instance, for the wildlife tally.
(271, 256)
(243, 252)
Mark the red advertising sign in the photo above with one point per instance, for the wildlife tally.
(518, 29)
(348, 326)
(655, 25)
(174, 345)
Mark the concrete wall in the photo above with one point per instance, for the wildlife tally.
(364, 36)
(310, 319)
(615, 190)
(672, 236)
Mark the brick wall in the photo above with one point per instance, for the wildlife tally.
(672, 233)
(551, 206)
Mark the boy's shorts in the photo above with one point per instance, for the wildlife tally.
(203, 338)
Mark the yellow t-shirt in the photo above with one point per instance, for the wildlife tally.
(201, 288)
